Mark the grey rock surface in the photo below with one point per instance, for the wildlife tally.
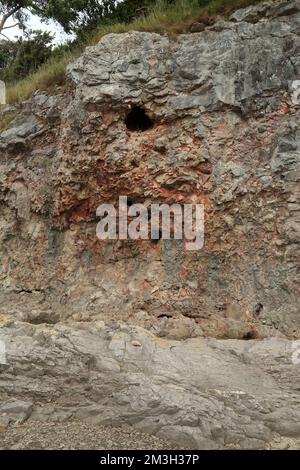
(194, 347)
(201, 393)
(266, 10)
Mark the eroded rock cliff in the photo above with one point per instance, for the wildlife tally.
(224, 114)
(209, 117)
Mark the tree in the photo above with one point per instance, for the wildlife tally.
(70, 14)
(20, 58)
(128, 10)
(7, 52)
(76, 14)
(11, 9)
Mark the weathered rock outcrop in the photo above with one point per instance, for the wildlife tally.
(224, 104)
(203, 393)
(80, 318)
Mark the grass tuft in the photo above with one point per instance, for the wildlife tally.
(5, 121)
(47, 77)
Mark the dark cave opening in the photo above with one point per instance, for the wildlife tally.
(137, 120)
(250, 335)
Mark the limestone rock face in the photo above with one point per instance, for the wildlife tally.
(203, 393)
(118, 332)
(224, 109)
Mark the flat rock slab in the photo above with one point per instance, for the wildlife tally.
(202, 393)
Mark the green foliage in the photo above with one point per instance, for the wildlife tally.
(7, 52)
(129, 10)
(70, 14)
(18, 59)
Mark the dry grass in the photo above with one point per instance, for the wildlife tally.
(163, 18)
(167, 18)
(49, 75)
(4, 122)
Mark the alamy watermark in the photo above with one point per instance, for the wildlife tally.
(158, 221)
(2, 352)
(296, 352)
(2, 93)
(296, 92)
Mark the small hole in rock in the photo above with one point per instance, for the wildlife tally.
(44, 318)
(258, 308)
(138, 121)
(250, 335)
(164, 315)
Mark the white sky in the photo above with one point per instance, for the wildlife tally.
(35, 23)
